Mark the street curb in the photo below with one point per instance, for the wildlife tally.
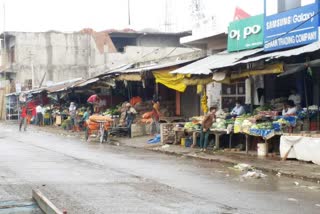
(45, 204)
(265, 169)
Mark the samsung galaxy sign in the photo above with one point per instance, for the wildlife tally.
(245, 34)
(291, 28)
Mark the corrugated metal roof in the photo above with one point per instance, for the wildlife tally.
(32, 91)
(87, 82)
(151, 67)
(62, 86)
(287, 53)
(219, 60)
(116, 70)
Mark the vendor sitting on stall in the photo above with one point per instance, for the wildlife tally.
(238, 110)
(205, 128)
(84, 118)
(295, 97)
(289, 108)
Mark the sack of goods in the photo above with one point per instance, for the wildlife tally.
(100, 118)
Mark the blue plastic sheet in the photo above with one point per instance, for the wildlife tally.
(155, 140)
(261, 132)
(276, 126)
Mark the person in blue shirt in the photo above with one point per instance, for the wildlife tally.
(238, 110)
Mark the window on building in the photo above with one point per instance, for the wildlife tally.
(278, 6)
(230, 93)
(120, 43)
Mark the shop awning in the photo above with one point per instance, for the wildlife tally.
(32, 91)
(63, 86)
(269, 69)
(216, 61)
(116, 70)
(225, 77)
(292, 69)
(287, 53)
(153, 67)
(86, 82)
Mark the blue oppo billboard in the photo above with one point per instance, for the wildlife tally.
(291, 28)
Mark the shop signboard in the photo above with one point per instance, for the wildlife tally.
(291, 28)
(246, 33)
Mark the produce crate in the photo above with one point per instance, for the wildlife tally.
(268, 113)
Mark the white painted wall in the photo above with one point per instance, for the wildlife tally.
(214, 94)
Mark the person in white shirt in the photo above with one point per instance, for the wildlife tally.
(238, 110)
(289, 109)
(73, 115)
(39, 115)
(295, 97)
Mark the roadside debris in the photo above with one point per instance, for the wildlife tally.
(250, 171)
(254, 174)
(278, 174)
(317, 205)
(296, 183)
(313, 187)
(243, 167)
(165, 146)
(292, 199)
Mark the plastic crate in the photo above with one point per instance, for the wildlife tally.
(188, 142)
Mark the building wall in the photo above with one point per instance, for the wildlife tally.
(54, 56)
(58, 56)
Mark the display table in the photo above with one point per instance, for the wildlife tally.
(301, 147)
(265, 135)
(195, 133)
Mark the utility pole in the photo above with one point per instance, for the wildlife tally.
(4, 38)
(32, 72)
(129, 19)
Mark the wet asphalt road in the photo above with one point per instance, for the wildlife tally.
(93, 178)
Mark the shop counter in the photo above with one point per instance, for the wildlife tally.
(264, 134)
(195, 133)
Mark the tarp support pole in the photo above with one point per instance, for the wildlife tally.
(251, 93)
(178, 103)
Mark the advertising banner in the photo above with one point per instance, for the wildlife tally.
(246, 33)
(291, 28)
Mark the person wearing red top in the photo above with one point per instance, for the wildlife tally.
(155, 125)
(23, 118)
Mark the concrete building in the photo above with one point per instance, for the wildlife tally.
(42, 58)
(210, 34)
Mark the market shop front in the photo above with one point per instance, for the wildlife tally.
(154, 82)
(263, 81)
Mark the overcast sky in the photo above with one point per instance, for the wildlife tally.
(74, 15)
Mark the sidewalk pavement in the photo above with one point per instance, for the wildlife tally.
(289, 168)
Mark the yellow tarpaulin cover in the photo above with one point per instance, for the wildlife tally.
(269, 69)
(197, 81)
(173, 81)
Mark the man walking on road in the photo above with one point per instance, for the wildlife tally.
(23, 118)
(39, 115)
